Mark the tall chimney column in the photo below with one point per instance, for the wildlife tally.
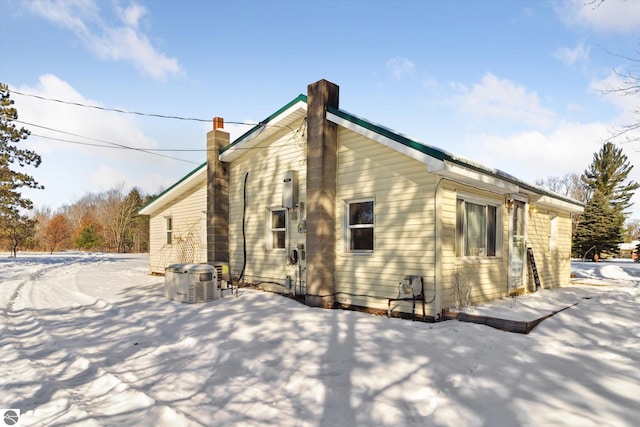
(217, 195)
(322, 159)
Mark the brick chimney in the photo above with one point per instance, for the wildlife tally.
(217, 195)
(322, 146)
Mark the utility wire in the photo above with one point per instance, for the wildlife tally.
(295, 136)
(111, 144)
(114, 147)
(162, 116)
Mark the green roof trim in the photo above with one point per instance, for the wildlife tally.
(184, 178)
(388, 133)
(263, 123)
(445, 156)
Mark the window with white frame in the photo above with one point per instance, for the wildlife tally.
(477, 230)
(203, 231)
(169, 229)
(553, 231)
(276, 228)
(360, 225)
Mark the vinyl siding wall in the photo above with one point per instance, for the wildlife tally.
(487, 276)
(188, 244)
(403, 194)
(553, 264)
(265, 164)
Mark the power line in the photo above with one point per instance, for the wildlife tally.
(117, 145)
(113, 147)
(161, 116)
(111, 144)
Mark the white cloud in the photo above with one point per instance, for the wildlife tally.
(400, 66)
(628, 103)
(503, 99)
(119, 42)
(131, 15)
(568, 148)
(69, 170)
(535, 155)
(609, 15)
(572, 56)
(98, 124)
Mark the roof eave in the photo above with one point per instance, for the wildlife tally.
(267, 127)
(191, 180)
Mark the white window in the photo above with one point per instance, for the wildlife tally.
(169, 229)
(553, 231)
(360, 225)
(477, 228)
(276, 236)
(203, 230)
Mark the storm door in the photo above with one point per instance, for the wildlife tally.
(517, 245)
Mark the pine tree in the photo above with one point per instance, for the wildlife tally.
(608, 173)
(11, 201)
(601, 225)
(89, 238)
(15, 227)
(598, 230)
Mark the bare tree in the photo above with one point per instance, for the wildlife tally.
(41, 215)
(108, 213)
(568, 185)
(461, 286)
(632, 230)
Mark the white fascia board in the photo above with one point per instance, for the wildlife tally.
(191, 182)
(476, 179)
(432, 163)
(239, 146)
(559, 204)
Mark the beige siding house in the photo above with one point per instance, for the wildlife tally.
(177, 223)
(332, 208)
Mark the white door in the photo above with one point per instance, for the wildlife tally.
(517, 245)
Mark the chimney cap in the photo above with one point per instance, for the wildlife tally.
(218, 123)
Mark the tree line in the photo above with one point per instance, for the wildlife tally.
(106, 221)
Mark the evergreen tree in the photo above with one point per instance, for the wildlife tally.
(608, 173)
(601, 225)
(89, 238)
(11, 201)
(598, 230)
(136, 225)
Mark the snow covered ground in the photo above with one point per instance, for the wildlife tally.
(89, 339)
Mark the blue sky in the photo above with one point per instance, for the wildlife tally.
(516, 85)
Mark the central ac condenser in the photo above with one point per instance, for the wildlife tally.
(191, 282)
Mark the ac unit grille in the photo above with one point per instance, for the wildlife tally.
(201, 291)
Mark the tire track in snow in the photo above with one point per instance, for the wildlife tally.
(70, 387)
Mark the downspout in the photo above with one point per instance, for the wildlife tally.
(438, 250)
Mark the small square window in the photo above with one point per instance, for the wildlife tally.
(360, 226)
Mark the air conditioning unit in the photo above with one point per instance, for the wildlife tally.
(191, 282)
